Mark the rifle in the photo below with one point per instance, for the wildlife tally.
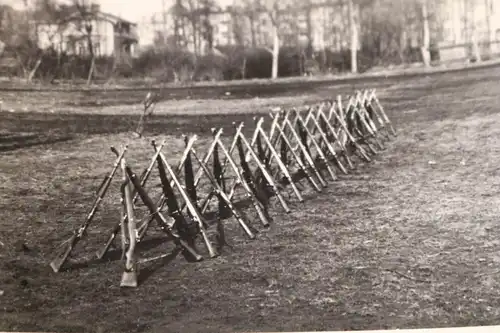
(176, 213)
(205, 160)
(281, 166)
(188, 252)
(261, 181)
(116, 228)
(367, 126)
(186, 230)
(222, 196)
(344, 127)
(129, 276)
(162, 201)
(297, 158)
(259, 207)
(224, 211)
(306, 156)
(284, 153)
(248, 176)
(189, 176)
(123, 221)
(330, 148)
(61, 258)
(269, 178)
(321, 156)
(387, 121)
(303, 139)
(355, 124)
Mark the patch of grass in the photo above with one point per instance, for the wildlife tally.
(399, 243)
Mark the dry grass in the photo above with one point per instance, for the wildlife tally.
(399, 243)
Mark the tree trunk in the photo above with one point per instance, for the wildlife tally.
(476, 53)
(489, 26)
(32, 72)
(244, 68)
(403, 38)
(475, 46)
(111, 75)
(425, 48)
(195, 38)
(310, 46)
(276, 52)
(90, 45)
(354, 37)
(252, 31)
(91, 70)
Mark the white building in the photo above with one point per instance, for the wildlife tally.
(111, 35)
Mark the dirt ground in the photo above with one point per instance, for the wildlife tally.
(408, 241)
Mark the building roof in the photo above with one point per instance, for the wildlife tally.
(114, 18)
(98, 14)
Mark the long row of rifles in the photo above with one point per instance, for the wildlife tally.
(312, 144)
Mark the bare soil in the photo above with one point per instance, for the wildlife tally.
(408, 241)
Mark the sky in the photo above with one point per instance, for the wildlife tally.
(136, 10)
(132, 10)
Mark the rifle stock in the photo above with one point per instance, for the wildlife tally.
(201, 223)
(188, 251)
(224, 211)
(189, 176)
(116, 228)
(266, 174)
(61, 258)
(260, 208)
(223, 197)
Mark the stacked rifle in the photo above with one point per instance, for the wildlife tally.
(202, 193)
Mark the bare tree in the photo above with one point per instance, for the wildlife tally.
(474, 33)
(309, 26)
(271, 8)
(196, 16)
(469, 25)
(86, 16)
(353, 28)
(383, 32)
(425, 48)
(20, 33)
(276, 47)
(193, 17)
(252, 17)
(488, 9)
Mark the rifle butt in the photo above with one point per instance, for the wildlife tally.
(100, 254)
(188, 252)
(129, 278)
(262, 215)
(211, 251)
(59, 261)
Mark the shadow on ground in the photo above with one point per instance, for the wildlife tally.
(15, 141)
(409, 240)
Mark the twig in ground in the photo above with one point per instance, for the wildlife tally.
(406, 276)
(149, 104)
(486, 274)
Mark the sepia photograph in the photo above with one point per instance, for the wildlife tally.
(249, 166)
